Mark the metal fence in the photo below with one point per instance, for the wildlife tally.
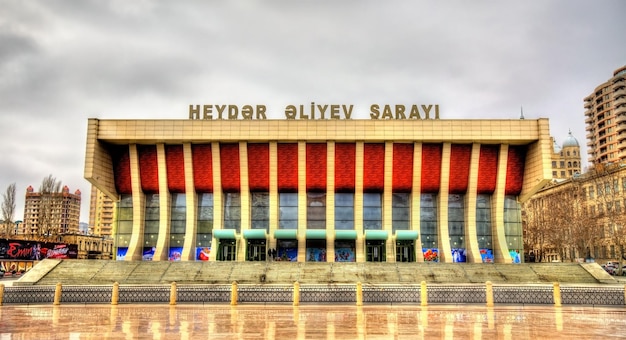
(423, 294)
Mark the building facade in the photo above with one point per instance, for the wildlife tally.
(101, 213)
(605, 112)
(319, 190)
(581, 218)
(52, 214)
(566, 160)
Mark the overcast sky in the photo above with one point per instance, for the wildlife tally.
(62, 62)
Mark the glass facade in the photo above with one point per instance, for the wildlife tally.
(428, 226)
(372, 211)
(124, 221)
(316, 210)
(401, 211)
(232, 211)
(344, 211)
(483, 227)
(288, 210)
(260, 210)
(178, 224)
(151, 220)
(513, 228)
(456, 227)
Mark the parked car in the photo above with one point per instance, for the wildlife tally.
(610, 268)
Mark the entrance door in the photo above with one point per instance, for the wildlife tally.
(227, 250)
(256, 251)
(375, 251)
(405, 251)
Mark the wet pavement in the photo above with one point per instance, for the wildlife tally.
(156, 321)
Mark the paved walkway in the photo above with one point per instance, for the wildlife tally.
(309, 322)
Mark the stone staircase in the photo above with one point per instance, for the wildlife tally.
(104, 272)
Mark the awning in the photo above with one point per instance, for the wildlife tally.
(376, 235)
(345, 234)
(406, 235)
(316, 234)
(224, 233)
(286, 234)
(255, 234)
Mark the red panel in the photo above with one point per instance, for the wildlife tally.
(259, 167)
(288, 167)
(175, 162)
(402, 167)
(229, 165)
(345, 162)
(316, 166)
(148, 168)
(121, 170)
(488, 169)
(202, 167)
(431, 167)
(373, 167)
(460, 157)
(515, 170)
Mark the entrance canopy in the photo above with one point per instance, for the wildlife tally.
(286, 234)
(376, 235)
(316, 234)
(224, 233)
(345, 234)
(255, 234)
(406, 235)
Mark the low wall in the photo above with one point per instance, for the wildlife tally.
(296, 294)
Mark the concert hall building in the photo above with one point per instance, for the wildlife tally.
(330, 190)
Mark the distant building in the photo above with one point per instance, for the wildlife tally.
(60, 216)
(582, 217)
(101, 213)
(566, 158)
(605, 112)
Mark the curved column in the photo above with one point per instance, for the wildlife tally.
(358, 202)
(390, 247)
(135, 246)
(416, 200)
(191, 205)
(330, 201)
(445, 251)
(500, 249)
(302, 213)
(244, 192)
(471, 238)
(218, 206)
(161, 253)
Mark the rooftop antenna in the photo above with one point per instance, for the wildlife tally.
(521, 116)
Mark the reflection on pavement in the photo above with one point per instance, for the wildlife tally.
(309, 322)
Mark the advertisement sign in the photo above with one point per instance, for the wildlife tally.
(32, 250)
(431, 254)
(486, 255)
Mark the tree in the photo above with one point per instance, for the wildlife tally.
(50, 191)
(8, 209)
(608, 198)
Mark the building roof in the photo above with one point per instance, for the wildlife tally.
(570, 141)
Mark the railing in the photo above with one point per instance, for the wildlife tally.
(489, 294)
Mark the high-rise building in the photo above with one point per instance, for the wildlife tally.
(565, 158)
(101, 210)
(49, 215)
(605, 112)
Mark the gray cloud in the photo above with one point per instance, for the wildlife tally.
(62, 62)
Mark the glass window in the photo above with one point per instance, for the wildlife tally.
(372, 211)
(316, 210)
(428, 220)
(456, 220)
(288, 210)
(178, 219)
(344, 211)
(232, 211)
(124, 221)
(151, 220)
(401, 211)
(260, 212)
(513, 226)
(483, 221)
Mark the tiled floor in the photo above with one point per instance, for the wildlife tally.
(309, 322)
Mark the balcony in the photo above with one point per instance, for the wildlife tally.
(620, 101)
(620, 128)
(619, 92)
(620, 110)
(589, 112)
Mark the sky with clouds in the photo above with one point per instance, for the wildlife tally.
(62, 62)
